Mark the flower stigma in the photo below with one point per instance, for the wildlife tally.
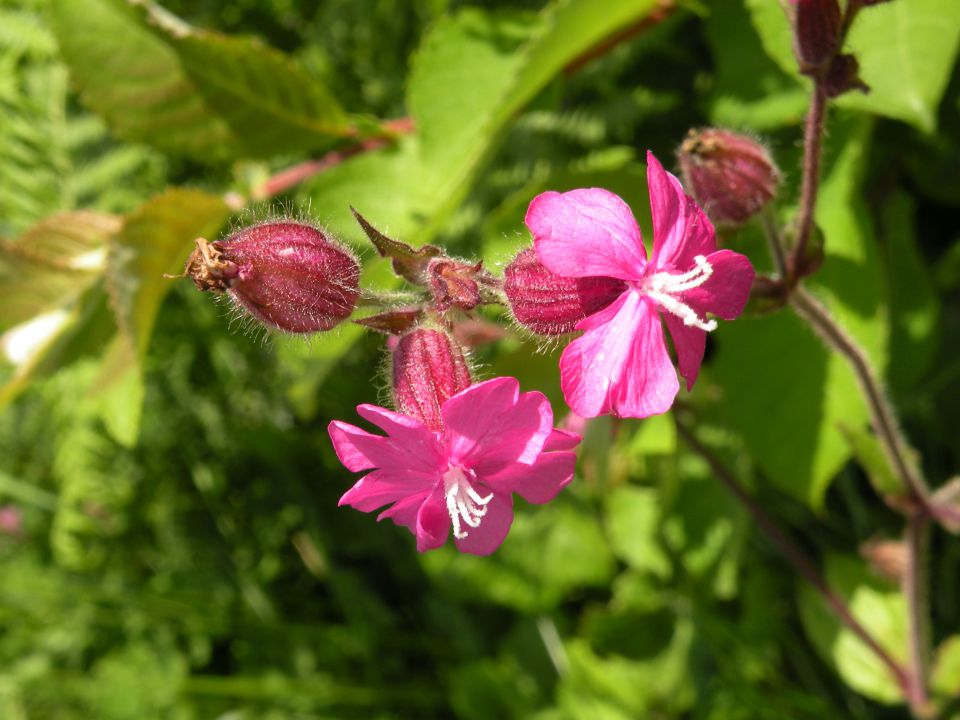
(463, 502)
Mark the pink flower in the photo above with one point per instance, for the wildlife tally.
(494, 441)
(620, 365)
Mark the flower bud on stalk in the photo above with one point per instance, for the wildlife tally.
(731, 175)
(549, 304)
(428, 368)
(286, 274)
(816, 28)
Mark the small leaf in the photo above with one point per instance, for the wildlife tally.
(945, 674)
(392, 322)
(877, 606)
(408, 262)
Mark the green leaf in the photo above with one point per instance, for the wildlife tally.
(476, 70)
(633, 523)
(945, 674)
(158, 80)
(876, 606)
(52, 263)
(906, 52)
(788, 408)
(871, 457)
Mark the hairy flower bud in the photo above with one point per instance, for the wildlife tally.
(428, 368)
(549, 304)
(286, 274)
(731, 175)
(816, 28)
(454, 283)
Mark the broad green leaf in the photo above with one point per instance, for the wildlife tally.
(906, 52)
(877, 606)
(52, 263)
(785, 392)
(158, 80)
(476, 70)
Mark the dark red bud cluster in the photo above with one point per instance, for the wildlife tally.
(731, 175)
(454, 283)
(429, 367)
(288, 275)
(549, 304)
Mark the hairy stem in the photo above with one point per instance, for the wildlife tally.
(773, 240)
(812, 149)
(881, 413)
(915, 590)
(796, 557)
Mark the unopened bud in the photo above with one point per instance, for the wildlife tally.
(816, 33)
(286, 274)
(549, 304)
(428, 368)
(454, 283)
(887, 558)
(731, 175)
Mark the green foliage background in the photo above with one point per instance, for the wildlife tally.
(182, 554)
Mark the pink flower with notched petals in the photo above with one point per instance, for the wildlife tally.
(620, 365)
(494, 441)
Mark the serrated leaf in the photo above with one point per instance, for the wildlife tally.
(877, 606)
(52, 263)
(906, 52)
(158, 80)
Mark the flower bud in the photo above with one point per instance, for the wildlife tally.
(454, 283)
(428, 369)
(732, 176)
(816, 28)
(549, 304)
(843, 75)
(286, 274)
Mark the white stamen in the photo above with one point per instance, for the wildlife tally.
(664, 287)
(464, 504)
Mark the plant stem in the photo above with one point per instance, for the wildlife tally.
(812, 148)
(773, 239)
(881, 413)
(795, 556)
(915, 590)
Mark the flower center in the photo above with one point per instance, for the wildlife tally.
(666, 287)
(464, 504)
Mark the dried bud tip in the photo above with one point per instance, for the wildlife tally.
(549, 304)
(731, 175)
(286, 274)
(816, 33)
(428, 368)
(456, 284)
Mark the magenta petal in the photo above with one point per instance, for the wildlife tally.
(386, 486)
(586, 233)
(537, 483)
(492, 424)
(689, 342)
(592, 364)
(344, 437)
(727, 290)
(648, 385)
(433, 522)
(406, 431)
(561, 440)
(404, 512)
(681, 230)
(493, 528)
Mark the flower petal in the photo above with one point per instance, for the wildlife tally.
(404, 512)
(407, 432)
(493, 528)
(649, 382)
(359, 450)
(561, 440)
(537, 483)
(586, 233)
(344, 437)
(386, 486)
(689, 342)
(491, 424)
(726, 291)
(681, 230)
(433, 522)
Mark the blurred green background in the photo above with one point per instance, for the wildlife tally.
(170, 544)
